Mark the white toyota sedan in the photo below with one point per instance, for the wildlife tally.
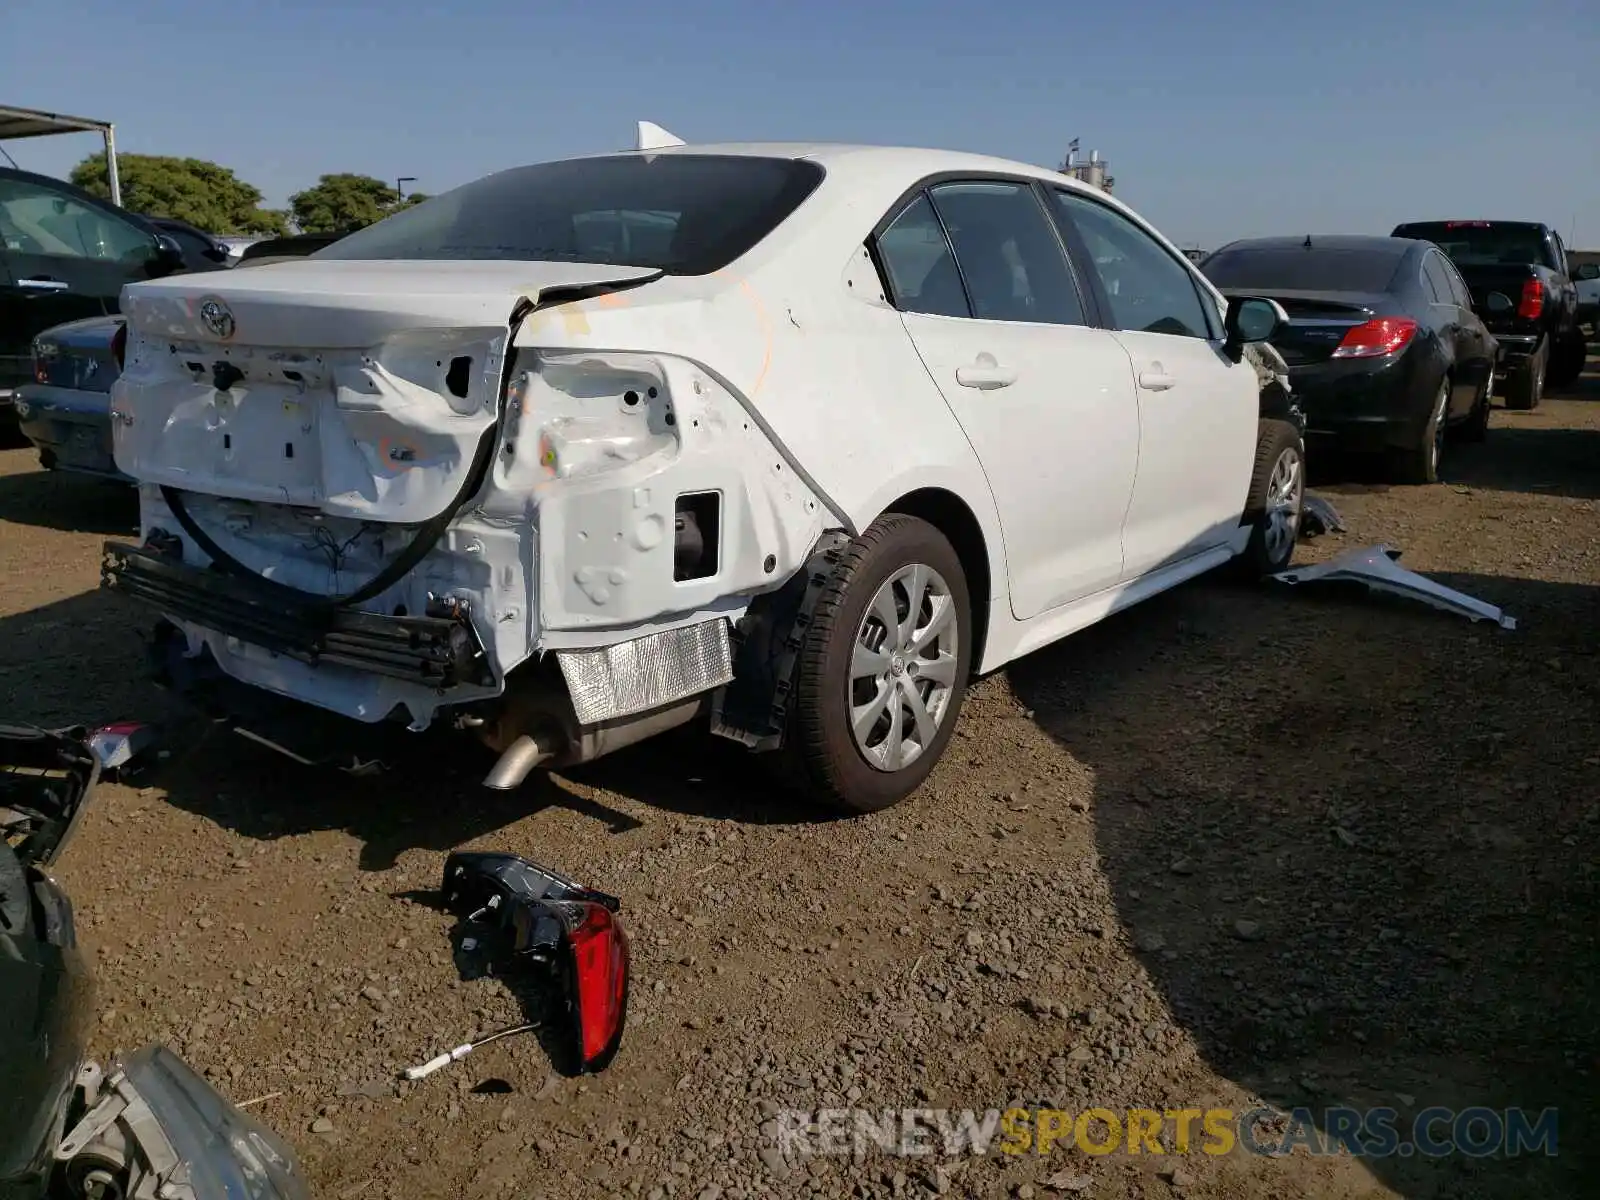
(791, 440)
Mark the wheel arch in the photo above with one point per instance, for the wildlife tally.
(985, 570)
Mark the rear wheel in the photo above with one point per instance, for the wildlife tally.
(1420, 462)
(883, 667)
(1277, 500)
(1476, 427)
(1525, 385)
(1567, 359)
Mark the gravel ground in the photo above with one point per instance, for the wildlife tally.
(1239, 845)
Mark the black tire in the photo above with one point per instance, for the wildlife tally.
(1525, 385)
(821, 743)
(1263, 554)
(1476, 427)
(1419, 463)
(1567, 359)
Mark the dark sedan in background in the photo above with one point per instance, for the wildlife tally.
(65, 255)
(1384, 349)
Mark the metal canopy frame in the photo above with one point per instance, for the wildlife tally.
(32, 122)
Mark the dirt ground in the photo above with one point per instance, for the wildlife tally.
(1237, 846)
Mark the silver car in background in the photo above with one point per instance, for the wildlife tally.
(66, 411)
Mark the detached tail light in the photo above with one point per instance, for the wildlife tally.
(598, 985)
(568, 936)
(119, 345)
(1377, 337)
(1531, 307)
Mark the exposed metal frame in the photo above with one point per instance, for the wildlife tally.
(33, 122)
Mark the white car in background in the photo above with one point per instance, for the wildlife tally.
(1587, 277)
(791, 439)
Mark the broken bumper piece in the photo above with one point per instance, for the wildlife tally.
(439, 652)
(627, 678)
(1376, 567)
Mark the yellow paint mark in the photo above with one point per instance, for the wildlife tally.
(575, 320)
(612, 300)
(766, 336)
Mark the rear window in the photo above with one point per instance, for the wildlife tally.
(686, 214)
(1483, 245)
(1313, 270)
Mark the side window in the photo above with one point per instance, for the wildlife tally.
(1149, 290)
(1435, 279)
(38, 220)
(1458, 286)
(1010, 257)
(923, 277)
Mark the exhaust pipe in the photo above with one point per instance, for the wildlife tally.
(517, 762)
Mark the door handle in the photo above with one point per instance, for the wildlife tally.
(44, 285)
(985, 374)
(1155, 381)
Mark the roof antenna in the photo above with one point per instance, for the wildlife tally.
(1306, 245)
(653, 137)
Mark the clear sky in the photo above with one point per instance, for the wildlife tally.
(1221, 119)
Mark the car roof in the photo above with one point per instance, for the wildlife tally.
(912, 161)
(1391, 246)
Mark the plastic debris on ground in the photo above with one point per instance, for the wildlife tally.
(1376, 567)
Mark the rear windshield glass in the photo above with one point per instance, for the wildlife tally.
(686, 214)
(1313, 270)
(1483, 245)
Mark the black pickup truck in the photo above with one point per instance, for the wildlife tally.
(1523, 290)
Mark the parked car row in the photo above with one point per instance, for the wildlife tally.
(999, 406)
(65, 256)
(1395, 343)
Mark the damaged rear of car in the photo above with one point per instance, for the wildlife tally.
(397, 482)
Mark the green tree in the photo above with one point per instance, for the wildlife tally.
(344, 201)
(206, 195)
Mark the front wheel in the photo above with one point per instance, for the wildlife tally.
(1276, 501)
(883, 667)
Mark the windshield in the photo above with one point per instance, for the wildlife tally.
(1298, 269)
(1482, 245)
(686, 214)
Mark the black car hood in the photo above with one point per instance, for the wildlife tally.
(46, 995)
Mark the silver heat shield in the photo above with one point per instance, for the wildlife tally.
(608, 682)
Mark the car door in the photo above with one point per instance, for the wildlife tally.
(1198, 410)
(1469, 339)
(66, 258)
(1046, 400)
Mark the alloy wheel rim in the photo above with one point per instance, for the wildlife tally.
(1285, 495)
(903, 667)
(1436, 448)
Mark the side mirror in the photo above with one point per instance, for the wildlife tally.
(1251, 319)
(168, 257)
(1498, 303)
(1587, 271)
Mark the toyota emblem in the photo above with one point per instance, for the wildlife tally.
(214, 315)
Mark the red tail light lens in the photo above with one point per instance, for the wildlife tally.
(1377, 337)
(600, 985)
(119, 344)
(1532, 306)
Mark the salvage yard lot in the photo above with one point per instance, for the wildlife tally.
(1234, 845)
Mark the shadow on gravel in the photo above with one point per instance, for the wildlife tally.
(1354, 843)
(429, 800)
(77, 661)
(71, 503)
(1516, 458)
(1528, 458)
